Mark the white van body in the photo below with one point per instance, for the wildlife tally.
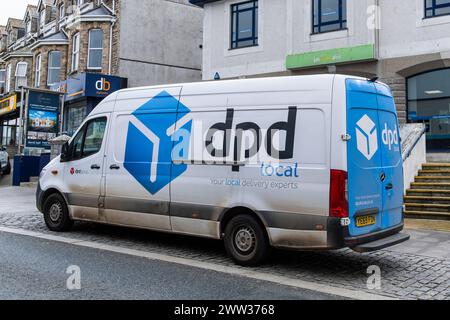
(188, 158)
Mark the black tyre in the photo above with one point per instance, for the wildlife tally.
(246, 241)
(56, 214)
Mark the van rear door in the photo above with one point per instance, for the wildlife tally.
(364, 159)
(391, 160)
(375, 167)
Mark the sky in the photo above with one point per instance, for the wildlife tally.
(13, 9)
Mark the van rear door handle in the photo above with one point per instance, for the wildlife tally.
(114, 167)
(95, 167)
(389, 186)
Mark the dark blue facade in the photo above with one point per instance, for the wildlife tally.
(83, 92)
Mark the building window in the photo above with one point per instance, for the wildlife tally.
(54, 67)
(8, 78)
(21, 75)
(2, 81)
(20, 33)
(435, 8)
(42, 18)
(37, 76)
(329, 15)
(428, 102)
(61, 11)
(95, 52)
(29, 26)
(75, 51)
(244, 24)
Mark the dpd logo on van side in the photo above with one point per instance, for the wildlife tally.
(150, 143)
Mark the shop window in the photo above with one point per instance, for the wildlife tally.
(436, 8)
(54, 67)
(75, 117)
(95, 52)
(21, 75)
(329, 15)
(429, 102)
(37, 75)
(244, 24)
(75, 51)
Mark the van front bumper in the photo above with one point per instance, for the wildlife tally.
(39, 197)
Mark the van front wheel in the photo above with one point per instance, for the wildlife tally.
(56, 214)
(246, 241)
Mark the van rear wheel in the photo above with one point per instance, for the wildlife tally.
(246, 241)
(56, 214)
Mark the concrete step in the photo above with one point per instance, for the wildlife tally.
(433, 179)
(428, 193)
(429, 199)
(427, 215)
(436, 166)
(434, 207)
(431, 185)
(432, 172)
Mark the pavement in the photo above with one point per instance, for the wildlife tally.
(417, 269)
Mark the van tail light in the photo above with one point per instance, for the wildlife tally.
(339, 194)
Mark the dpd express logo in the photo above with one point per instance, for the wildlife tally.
(153, 136)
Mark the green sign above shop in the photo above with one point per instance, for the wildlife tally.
(334, 56)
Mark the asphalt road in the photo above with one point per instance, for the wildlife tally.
(32, 268)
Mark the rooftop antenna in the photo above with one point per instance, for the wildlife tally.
(374, 79)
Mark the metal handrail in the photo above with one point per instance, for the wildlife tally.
(407, 152)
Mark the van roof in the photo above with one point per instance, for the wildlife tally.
(320, 82)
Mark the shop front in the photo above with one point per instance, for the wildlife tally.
(82, 93)
(9, 114)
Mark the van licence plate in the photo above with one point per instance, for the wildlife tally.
(365, 221)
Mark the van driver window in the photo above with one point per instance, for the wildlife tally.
(88, 140)
(77, 144)
(94, 137)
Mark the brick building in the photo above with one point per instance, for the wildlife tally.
(64, 44)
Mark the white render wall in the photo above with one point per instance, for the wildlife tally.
(404, 32)
(165, 48)
(285, 28)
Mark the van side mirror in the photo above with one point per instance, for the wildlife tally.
(65, 152)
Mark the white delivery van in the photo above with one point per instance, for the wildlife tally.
(307, 163)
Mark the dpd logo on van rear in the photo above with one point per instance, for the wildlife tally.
(366, 137)
(150, 142)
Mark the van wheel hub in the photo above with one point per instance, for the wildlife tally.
(245, 239)
(55, 212)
